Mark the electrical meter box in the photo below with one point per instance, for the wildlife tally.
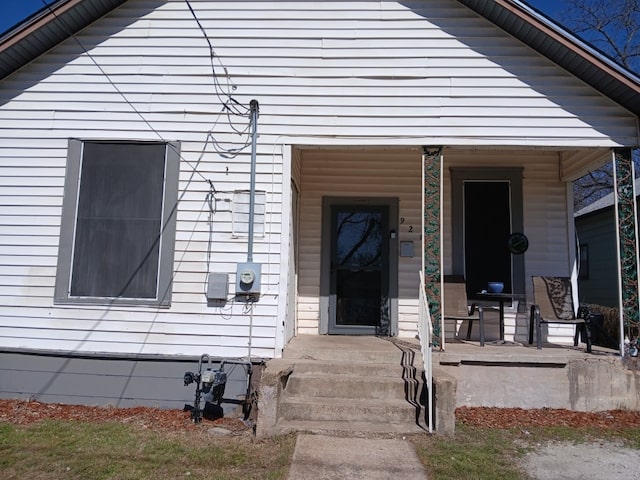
(248, 278)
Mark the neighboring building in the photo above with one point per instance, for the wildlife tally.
(596, 227)
(472, 117)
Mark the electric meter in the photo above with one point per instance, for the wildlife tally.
(248, 278)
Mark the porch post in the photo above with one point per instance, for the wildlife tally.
(627, 222)
(432, 236)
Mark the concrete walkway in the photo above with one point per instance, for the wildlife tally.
(320, 457)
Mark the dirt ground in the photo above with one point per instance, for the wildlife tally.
(585, 461)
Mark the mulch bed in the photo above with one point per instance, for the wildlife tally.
(546, 417)
(21, 412)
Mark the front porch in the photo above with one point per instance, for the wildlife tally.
(509, 375)
(417, 205)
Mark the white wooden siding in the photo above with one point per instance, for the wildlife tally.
(342, 73)
(357, 173)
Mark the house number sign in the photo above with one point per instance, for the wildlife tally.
(409, 227)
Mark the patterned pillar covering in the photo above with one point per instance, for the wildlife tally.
(627, 226)
(432, 157)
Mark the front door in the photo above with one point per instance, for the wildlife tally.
(359, 267)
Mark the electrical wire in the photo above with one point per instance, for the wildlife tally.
(227, 153)
(230, 104)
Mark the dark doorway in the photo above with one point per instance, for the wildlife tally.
(487, 225)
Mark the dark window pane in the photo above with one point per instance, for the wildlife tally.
(487, 226)
(119, 220)
(359, 240)
(584, 262)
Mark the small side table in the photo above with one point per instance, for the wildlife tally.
(500, 299)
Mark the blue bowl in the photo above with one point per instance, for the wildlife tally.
(496, 287)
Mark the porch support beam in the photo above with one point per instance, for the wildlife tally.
(432, 236)
(627, 231)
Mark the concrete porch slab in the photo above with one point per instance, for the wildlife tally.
(557, 376)
(458, 352)
(338, 348)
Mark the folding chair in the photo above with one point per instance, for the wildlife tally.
(456, 306)
(554, 303)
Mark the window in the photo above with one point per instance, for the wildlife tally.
(118, 223)
(583, 265)
(240, 217)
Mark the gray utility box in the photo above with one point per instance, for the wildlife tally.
(248, 278)
(217, 286)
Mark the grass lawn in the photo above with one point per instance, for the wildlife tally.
(73, 449)
(56, 449)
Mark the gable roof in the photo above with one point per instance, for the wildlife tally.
(64, 18)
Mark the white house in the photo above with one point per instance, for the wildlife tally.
(385, 138)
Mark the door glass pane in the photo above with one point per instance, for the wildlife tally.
(358, 267)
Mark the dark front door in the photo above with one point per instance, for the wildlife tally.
(359, 271)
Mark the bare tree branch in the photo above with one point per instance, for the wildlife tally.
(613, 26)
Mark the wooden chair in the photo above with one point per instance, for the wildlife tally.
(554, 303)
(456, 306)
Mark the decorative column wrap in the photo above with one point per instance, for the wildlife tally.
(628, 235)
(432, 241)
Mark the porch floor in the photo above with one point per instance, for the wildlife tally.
(343, 347)
(337, 347)
(458, 352)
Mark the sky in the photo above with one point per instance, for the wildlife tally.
(14, 11)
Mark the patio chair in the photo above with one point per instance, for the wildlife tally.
(456, 306)
(554, 303)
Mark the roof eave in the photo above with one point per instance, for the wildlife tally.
(47, 28)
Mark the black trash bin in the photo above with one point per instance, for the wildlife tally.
(598, 334)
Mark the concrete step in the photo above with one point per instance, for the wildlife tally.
(347, 410)
(364, 369)
(350, 428)
(342, 349)
(354, 384)
(354, 387)
(393, 357)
